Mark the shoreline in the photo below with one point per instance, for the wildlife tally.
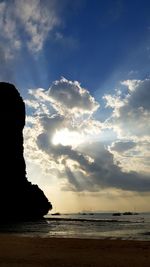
(36, 251)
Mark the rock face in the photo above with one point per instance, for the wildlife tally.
(19, 199)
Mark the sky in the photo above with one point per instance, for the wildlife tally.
(82, 68)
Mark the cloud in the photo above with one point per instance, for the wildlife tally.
(122, 146)
(131, 155)
(6, 70)
(140, 93)
(105, 173)
(8, 33)
(70, 96)
(48, 125)
(26, 24)
(131, 110)
(37, 19)
(65, 113)
(130, 119)
(91, 168)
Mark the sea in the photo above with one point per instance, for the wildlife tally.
(84, 225)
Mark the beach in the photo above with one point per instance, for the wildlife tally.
(16, 250)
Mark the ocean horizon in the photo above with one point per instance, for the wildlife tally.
(124, 226)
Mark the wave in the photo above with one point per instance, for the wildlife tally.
(94, 220)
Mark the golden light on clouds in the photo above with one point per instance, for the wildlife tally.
(98, 165)
(66, 137)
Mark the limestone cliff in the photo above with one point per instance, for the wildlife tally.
(19, 199)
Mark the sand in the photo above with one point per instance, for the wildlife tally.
(57, 252)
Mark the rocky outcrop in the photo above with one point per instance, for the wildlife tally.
(19, 199)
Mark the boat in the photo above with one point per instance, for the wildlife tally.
(130, 213)
(56, 214)
(116, 214)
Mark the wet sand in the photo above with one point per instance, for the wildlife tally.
(57, 252)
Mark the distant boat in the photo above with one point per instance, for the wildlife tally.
(130, 213)
(116, 214)
(56, 213)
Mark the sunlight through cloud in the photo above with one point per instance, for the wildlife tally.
(67, 138)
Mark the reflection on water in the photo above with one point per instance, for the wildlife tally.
(84, 226)
(25, 227)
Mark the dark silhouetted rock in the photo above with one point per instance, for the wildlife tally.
(19, 199)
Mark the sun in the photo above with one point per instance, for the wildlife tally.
(66, 137)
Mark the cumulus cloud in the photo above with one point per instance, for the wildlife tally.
(105, 173)
(49, 126)
(131, 111)
(61, 133)
(68, 95)
(26, 23)
(140, 93)
(131, 121)
(122, 146)
(131, 155)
